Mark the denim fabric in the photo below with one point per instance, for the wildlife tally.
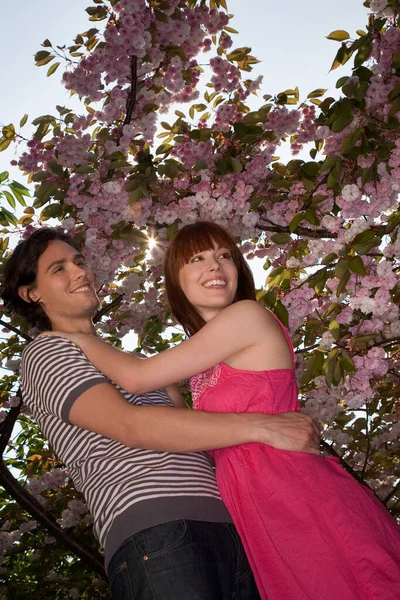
(182, 560)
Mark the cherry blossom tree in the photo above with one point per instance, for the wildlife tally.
(165, 137)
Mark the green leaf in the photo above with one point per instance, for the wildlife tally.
(52, 69)
(9, 131)
(281, 238)
(297, 219)
(357, 266)
(4, 143)
(339, 35)
(237, 166)
(41, 55)
(131, 234)
(334, 329)
(314, 367)
(172, 230)
(340, 82)
(329, 258)
(137, 194)
(200, 165)
(3, 176)
(7, 217)
(44, 119)
(363, 53)
(342, 122)
(14, 185)
(317, 93)
(239, 53)
(341, 269)
(346, 362)
(23, 120)
(342, 285)
(10, 199)
(51, 212)
(84, 169)
(119, 164)
(310, 169)
(43, 194)
(364, 241)
(163, 149)
(396, 60)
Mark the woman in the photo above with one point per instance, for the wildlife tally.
(310, 531)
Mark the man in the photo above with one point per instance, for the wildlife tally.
(136, 458)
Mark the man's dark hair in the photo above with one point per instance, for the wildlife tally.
(21, 269)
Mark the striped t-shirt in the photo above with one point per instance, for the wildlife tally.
(126, 489)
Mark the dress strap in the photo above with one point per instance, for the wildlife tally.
(287, 336)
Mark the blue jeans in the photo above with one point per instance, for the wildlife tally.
(182, 560)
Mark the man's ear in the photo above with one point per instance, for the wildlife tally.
(28, 294)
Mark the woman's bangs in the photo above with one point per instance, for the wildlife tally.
(191, 241)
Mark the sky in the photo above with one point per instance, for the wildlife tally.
(287, 36)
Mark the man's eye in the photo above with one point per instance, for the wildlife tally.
(58, 269)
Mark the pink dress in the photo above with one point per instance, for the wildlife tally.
(309, 529)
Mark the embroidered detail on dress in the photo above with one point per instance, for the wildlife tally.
(199, 383)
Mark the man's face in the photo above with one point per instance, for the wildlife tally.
(64, 287)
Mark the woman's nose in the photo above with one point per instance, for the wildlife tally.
(213, 265)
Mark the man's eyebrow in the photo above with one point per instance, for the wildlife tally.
(62, 261)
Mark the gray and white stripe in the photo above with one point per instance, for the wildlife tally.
(114, 479)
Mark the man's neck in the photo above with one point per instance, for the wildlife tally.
(74, 326)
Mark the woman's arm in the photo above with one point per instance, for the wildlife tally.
(237, 327)
(105, 411)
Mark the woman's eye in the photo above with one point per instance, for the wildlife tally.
(196, 258)
(226, 255)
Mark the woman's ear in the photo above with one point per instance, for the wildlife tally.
(28, 294)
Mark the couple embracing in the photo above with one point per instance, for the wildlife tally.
(170, 529)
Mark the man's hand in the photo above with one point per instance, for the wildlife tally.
(288, 431)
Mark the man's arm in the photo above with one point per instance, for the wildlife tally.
(104, 410)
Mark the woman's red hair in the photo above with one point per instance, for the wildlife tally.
(190, 240)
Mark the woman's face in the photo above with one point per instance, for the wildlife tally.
(209, 281)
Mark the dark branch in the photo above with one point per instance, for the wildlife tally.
(303, 231)
(108, 308)
(131, 102)
(307, 232)
(391, 493)
(7, 425)
(329, 448)
(15, 330)
(35, 509)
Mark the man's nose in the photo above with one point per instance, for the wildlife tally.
(79, 271)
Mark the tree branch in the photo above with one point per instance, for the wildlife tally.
(15, 330)
(106, 309)
(391, 493)
(35, 509)
(131, 101)
(7, 425)
(329, 448)
(307, 232)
